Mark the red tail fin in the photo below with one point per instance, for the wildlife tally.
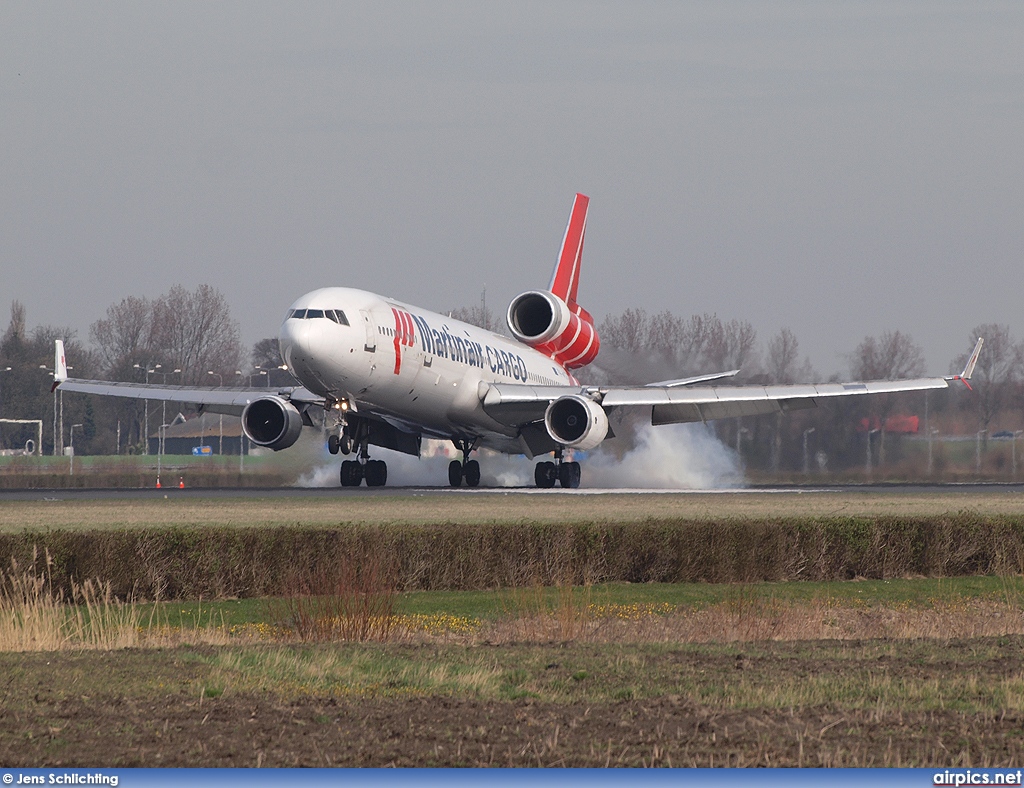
(566, 279)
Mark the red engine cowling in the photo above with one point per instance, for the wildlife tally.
(546, 323)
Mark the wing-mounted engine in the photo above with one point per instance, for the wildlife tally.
(577, 422)
(544, 321)
(272, 422)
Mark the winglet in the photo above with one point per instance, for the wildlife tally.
(60, 365)
(565, 281)
(972, 362)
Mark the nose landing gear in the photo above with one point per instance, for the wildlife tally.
(353, 472)
(467, 470)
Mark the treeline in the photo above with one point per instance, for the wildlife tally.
(638, 347)
(182, 337)
(189, 337)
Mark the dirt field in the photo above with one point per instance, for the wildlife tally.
(162, 713)
(881, 702)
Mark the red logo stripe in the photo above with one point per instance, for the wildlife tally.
(398, 346)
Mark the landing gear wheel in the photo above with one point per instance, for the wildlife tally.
(376, 472)
(345, 444)
(471, 472)
(455, 473)
(333, 444)
(545, 474)
(569, 474)
(351, 473)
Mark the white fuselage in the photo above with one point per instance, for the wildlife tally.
(415, 368)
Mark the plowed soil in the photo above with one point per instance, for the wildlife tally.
(149, 708)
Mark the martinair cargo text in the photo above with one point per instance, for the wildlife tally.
(385, 373)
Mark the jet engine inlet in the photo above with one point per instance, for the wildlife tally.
(576, 422)
(272, 422)
(537, 316)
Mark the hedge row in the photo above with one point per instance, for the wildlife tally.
(192, 563)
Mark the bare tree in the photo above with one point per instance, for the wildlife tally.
(476, 316)
(196, 332)
(781, 368)
(16, 329)
(124, 336)
(266, 355)
(893, 356)
(628, 331)
(999, 368)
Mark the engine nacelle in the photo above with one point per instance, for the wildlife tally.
(537, 317)
(576, 422)
(544, 321)
(272, 422)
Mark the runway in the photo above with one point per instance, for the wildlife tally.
(343, 493)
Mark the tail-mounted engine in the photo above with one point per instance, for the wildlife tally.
(272, 422)
(576, 422)
(546, 323)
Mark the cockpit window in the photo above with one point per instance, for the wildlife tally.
(309, 314)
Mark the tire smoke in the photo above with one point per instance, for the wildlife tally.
(679, 456)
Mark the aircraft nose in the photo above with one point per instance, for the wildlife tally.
(294, 340)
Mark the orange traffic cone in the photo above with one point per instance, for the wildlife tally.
(158, 482)
(181, 482)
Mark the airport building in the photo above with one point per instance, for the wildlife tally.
(209, 434)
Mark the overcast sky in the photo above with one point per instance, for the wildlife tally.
(838, 168)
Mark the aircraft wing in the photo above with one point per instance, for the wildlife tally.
(704, 403)
(674, 403)
(228, 400)
(516, 404)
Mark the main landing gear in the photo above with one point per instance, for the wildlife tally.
(568, 474)
(466, 469)
(354, 435)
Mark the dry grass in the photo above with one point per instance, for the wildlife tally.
(33, 617)
(406, 507)
(353, 600)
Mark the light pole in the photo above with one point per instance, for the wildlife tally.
(220, 377)
(1013, 452)
(148, 370)
(868, 435)
(44, 367)
(977, 451)
(163, 408)
(71, 466)
(932, 432)
(257, 374)
(160, 449)
(5, 369)
(807, 432)
(739, 438)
